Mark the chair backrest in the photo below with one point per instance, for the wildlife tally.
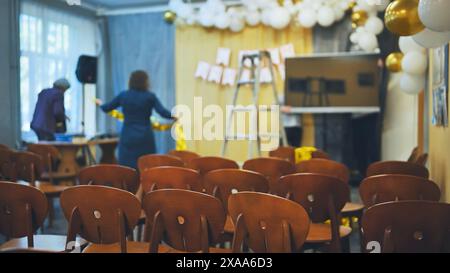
(115, 176)
(322, 196)
(191, 221)
(185, 156)
(408, 226)
(268, 223)
(422, 159)
(286, 152)
(48, 153)
(414, 153)
(211, 163)
(320, 154)
(22, 210)
(28, 166)
(272, 169)
(230, 181)
(393, 187)
(7, 165)
(152, 161)
(4, 147)
(99, 214)
(397, 167)
(170, 178)
(325, 167)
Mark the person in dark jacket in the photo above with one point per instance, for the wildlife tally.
(49, 115)
(137, 138)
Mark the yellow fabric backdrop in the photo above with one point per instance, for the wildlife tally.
(194, 44)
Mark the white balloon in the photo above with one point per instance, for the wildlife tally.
(325, 16)
(412, 84)
(307, 18)
(354, 37)
(338, 13)
(431, 39)
(374, 25)
(185, 11)
(368, 42)
(253, 18)
(206, 19)
(407, 44)
(265, 17)
(236, 25)
(415, 63)
(280, 18)
(382, 4)
(434, 14)
(222, 21)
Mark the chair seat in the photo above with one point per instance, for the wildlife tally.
(229, 226)
(139, 247)
(54, 243)
(47, 188)
(320, 233)
(350, 208)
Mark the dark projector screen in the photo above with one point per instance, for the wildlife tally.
(336, 80)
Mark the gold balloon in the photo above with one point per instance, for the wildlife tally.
(351, 5)
(169, 16)
(394, 62)
(359, 17)
(402, 17)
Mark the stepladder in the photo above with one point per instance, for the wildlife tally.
(255, 63)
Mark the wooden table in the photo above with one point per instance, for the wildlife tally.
(68, 150)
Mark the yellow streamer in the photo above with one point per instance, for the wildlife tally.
(304, 153)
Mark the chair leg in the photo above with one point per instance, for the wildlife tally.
(51, 212)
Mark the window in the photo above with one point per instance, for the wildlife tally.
(51, 41)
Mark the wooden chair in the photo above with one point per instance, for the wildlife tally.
(7, 166)
(4, 147)
(187, 221)
(23, 211)
(272, 169)
(185, 156)
(50, 159)
(267, 223)
(407, 227)
(226, 182)
(417, 157)
(414, 154)
(115, 176)
(387, 188)
(152, 161)
(286, 152)
(320, 154)
(103, 216)
(28, 170)
(170, 178)
(397, 167)
(422, 159)
(210, 163)
(338, 170)
(323, 197)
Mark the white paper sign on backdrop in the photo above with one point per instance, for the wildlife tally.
(247, 62)
(223, 56)
(287, 51)
(245, 77)
(202, 70)
(282, 71)
(275, 55)
(265, 76)
(229, 76)
(215, 74)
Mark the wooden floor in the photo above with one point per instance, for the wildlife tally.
(60, 224)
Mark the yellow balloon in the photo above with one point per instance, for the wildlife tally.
(351, 5)
(359, 17)
(169, 16)
(394, 62)
(402, 17)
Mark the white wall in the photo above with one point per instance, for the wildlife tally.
(400, 123)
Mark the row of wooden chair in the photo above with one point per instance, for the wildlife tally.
(188, 221)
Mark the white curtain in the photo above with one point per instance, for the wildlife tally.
(51, 40)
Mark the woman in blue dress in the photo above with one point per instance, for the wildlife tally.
(137, 138)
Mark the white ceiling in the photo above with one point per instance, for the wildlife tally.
(119, 4)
